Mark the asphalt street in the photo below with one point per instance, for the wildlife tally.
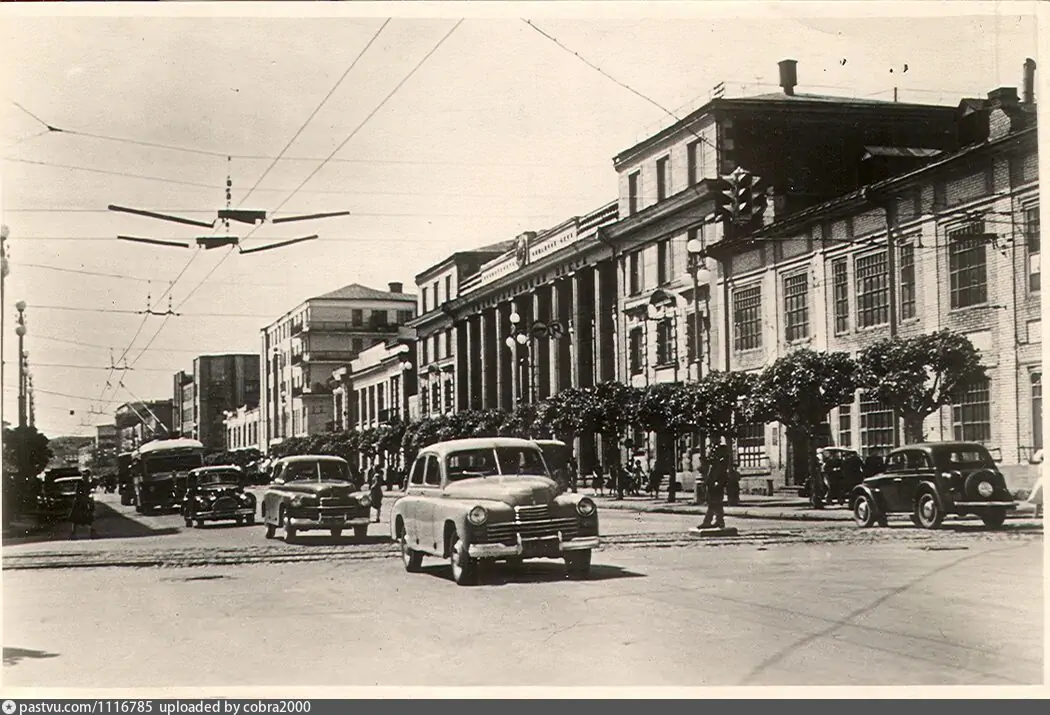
(782, 604)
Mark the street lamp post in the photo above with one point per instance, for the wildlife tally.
(695, 249)
(20, 331)
(519, 340)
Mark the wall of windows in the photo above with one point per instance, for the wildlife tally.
(907, 280)
(840, 289)
(971, 413)
(845, 431)
(796, 307)
(751, 446)
(968, 265)
(1031, 230)
(873, 290)
(747, 318)
(876, 426)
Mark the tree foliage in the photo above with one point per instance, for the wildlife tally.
(32, 445)
(800, 389)
(918, 375)
(723, 402)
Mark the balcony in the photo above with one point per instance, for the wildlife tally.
(297, 358)
(336, 356)
(346, 326)
(296, 327)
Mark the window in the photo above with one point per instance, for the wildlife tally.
(873, 290)
(437, 298)
(403, 316)
(693, 161)
(747, 318)
(796, 307)
(636, 351)
(423, 299)
(448, 287)
(690, 337)
(845, 425)
(357, 317)
(424, 399)
(665, 342)
(664, 262)
(840, 287)
(967, 266)
(424, 358)
(971, 412)
(1031, 232)
(751, 446)
(634, 271)
(633, 186)
(663, 177)
(435, 394)
(876, 426)
(450, 394)
(432, 477)
(907, 280)
(1037, 409)
(380, 402)
(449, 338)
(357, 344)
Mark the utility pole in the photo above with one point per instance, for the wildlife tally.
(20, 331)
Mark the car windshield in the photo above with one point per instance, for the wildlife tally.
(172, 463)
(962, 457)
(66, 486)
(319, 471)
(227, 476)
(490, 462)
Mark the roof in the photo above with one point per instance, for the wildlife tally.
(216, 468)
(309, 458)
(493, 249)
(454, 445)
(910, 152)
(356, 291)
(930, 446)
(162, 444)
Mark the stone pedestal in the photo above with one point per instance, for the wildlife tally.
(712, 531)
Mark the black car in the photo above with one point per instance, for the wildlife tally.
(931, 480)
(217, 494)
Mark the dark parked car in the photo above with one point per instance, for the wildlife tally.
(932, 480)
(57, 493)
(313, 491)
(217, 494)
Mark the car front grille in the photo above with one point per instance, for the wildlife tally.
(531, 524)
(225, 504)
(337, 501)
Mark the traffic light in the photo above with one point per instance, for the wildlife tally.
(740, 198)
(725, 201)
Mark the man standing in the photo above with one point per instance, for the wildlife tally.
(715, 483)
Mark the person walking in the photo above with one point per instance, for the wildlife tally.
(715, 482)
(82, 511)
(375, 492)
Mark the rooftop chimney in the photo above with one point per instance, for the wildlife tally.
(395, 287)
(1029, 81)
(1003, 97)
(788, 76)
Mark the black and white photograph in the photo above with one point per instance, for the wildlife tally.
(354, 348)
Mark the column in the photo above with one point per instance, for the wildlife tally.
(488, 368)
(553, 362)
(504, 362)
(577, 329)
(539, 365)
(463, 366)
(598, 358)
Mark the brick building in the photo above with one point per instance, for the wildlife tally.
(217, 385)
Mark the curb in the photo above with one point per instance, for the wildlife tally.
(746, 513)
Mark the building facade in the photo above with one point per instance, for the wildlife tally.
(375, 388)
(437, 348)
(218, 384)
(138, 422)
(241, 428)
(302, 348)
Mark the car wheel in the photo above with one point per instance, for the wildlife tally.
(289, 530)
(271, 531)
(361, 532)
(994, 519)
(928, 512)
(250, 519)
(200, 523)
(336, 533)
(464, 568)
(578, 564)
(412, 559)
(865, 511)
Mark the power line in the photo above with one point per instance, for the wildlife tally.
(121, 311)
(79, 343)
(94, 367)
(118, 276)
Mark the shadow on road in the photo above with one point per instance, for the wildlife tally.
(502, 574)
(970, 527)
(12, 656)
(309, 539)
(109, 524)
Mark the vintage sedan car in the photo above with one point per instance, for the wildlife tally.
(57, 493)
(490, 499)
(314, 491)
(931, 480)
(217, 494)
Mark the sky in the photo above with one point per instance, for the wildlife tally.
(498, 131)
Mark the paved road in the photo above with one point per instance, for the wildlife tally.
(814, 605)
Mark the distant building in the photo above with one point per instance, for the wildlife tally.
(302, 348)
(106, 447)
(241, 428)
(218, 384)
(375, 387)
(138, 422)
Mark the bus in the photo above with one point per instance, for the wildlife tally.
(124, 484)
(159, 470)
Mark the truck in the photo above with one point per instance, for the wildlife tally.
(159, 470)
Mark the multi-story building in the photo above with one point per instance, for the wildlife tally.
(436, 286)
(219, 384)
(963, 254)
(302, 348)
(241, 428)
(106, 447)
(138, 422)
(375, 388)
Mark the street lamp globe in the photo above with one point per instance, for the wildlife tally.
(522, 338)
(20, 330)
(509, 341)
(20, 306)
(694, 246)
(515, 318)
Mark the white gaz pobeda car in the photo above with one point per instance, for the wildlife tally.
(490, 499)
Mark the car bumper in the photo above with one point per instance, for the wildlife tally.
(224, 514)
(328, 522)
(985, 505)
(549, 545)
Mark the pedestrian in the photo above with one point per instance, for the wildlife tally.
(82, 511)
(598, 480)
(715, 481)
(655, 479)
(376, 494)
(574, 475)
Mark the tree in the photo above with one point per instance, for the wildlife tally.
(799, 390)
(916, 376)
(668, 409)
(608, 409)
(722, 404)
(26, 451)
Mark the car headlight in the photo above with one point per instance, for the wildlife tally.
(478, 515)
(304, 501)
(365, 500)
(985, 489)
(586, 507)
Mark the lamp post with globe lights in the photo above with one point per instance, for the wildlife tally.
(20, 331)
(518, 340)
(701, 275)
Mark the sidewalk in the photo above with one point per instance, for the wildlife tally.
(752, 506)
